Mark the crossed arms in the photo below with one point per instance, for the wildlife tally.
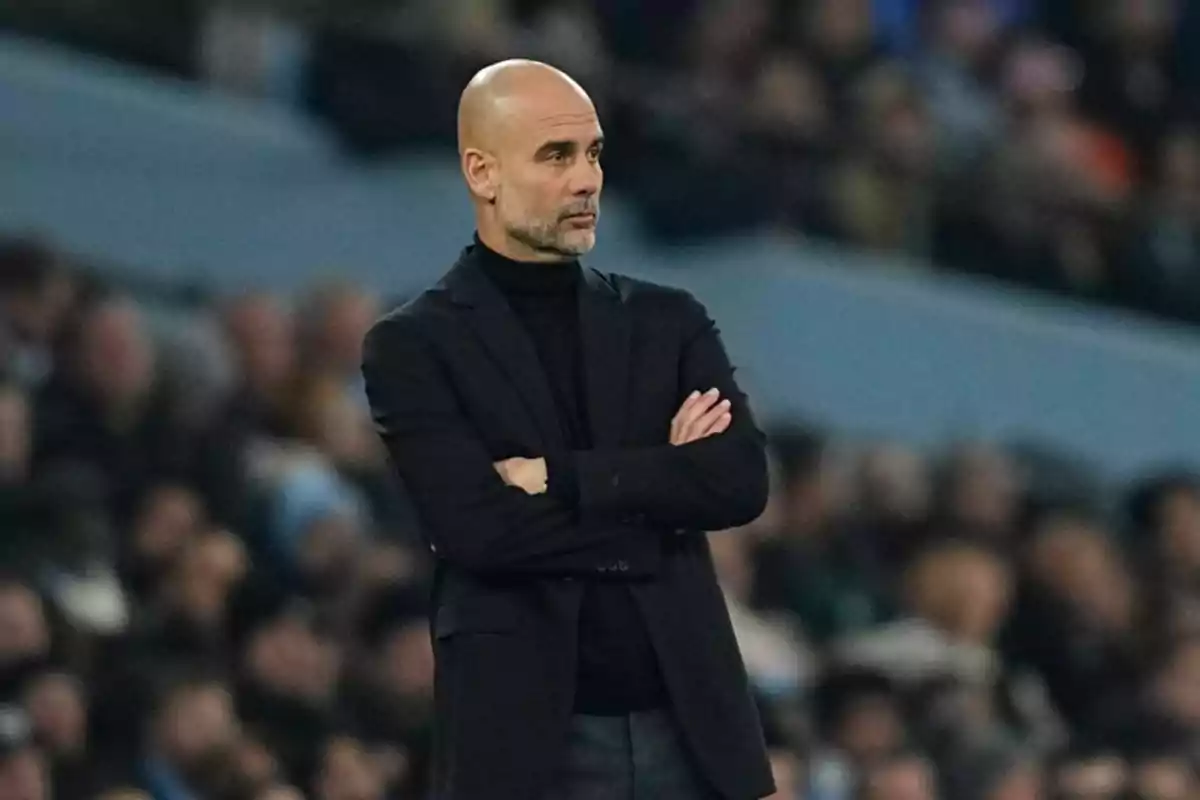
(702, 414)
(497, 517)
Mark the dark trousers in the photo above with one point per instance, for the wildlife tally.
(635, 757)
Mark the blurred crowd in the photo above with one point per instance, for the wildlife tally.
(1051, 143)
(211, 589)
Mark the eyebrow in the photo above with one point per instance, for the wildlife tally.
(566, 146)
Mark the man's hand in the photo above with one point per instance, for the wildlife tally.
(700, 416)
(524, 473)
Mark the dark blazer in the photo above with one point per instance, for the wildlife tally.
(455, 384)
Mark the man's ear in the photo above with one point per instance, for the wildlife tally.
(479, 169)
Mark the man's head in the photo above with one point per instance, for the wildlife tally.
(193, 723)
(262, 334)
(114, 355)
(58, 712)
(962, 588)
(209, 568)
(332, 320)
(36, 288)
(529, 141)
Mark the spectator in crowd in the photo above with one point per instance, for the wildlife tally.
(961, 41)
(1081, 623)
(333, 320)
(188, 740)
(262, 337)
(1163, 272)
(25, 637)
(35, 293)
(58, 712)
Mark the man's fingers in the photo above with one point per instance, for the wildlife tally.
(706, 421)
(685, 407)
(687, 425)
(693, 409)
(677, 420)
(721, 425)
(684, 416)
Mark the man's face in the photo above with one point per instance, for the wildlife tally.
(115, 353)
(287, 658)
(263, 336)
(197, 721)
(59, 712)
(548, 175)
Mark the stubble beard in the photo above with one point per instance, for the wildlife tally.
(548, 239)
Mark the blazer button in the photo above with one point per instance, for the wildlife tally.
(616, 479)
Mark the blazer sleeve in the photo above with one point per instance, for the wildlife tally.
(711, 484)
(470, 516)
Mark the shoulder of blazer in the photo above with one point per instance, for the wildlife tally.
(429, 304)
(409, 324)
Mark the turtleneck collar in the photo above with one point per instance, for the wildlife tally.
(526, 277)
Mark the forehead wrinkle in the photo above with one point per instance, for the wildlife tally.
(568, 119)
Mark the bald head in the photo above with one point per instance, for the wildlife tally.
(529, 141)
(506, 89)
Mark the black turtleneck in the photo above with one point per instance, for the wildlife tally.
(618, 671)
(545, 299)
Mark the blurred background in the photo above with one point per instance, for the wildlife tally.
(954, 249)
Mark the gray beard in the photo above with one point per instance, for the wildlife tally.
(542, 241)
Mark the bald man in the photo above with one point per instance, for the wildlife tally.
(567, 436)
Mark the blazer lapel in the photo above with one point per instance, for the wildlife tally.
(507, 342)
(604, 327)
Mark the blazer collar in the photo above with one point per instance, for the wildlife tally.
(604, 328)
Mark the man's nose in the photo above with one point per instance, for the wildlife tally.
(586, 180)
